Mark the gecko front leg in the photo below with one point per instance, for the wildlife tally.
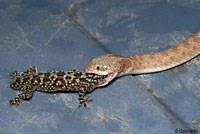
(82, 99)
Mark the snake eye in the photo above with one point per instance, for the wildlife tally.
(98, 67)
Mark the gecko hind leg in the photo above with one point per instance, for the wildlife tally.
(20, 97)
(82, 100)
(32, 70)
(14, 74)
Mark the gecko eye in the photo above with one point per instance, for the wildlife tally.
(98, 67)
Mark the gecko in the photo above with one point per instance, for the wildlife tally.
(54, 81)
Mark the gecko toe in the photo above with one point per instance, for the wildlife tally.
(16, 101)
(84, 102)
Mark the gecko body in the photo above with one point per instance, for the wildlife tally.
(54, 81)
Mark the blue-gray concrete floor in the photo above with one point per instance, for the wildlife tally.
(66, 34)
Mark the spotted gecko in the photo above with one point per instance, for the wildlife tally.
(54, 81)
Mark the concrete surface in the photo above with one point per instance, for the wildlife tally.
(65, 35)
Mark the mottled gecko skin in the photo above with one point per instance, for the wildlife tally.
(55, 81)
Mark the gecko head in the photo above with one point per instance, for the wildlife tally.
(104, 65)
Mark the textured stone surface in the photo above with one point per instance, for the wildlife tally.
(65, 35)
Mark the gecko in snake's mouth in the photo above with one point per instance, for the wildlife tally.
(110, 77)
(54, 81)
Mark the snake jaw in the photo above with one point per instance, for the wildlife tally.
(110, 77)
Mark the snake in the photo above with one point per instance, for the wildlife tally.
(113, 65)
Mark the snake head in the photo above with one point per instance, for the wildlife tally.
(105, 65)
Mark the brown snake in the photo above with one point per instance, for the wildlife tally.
(114, 65)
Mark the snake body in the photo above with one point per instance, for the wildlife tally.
(114, 65)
